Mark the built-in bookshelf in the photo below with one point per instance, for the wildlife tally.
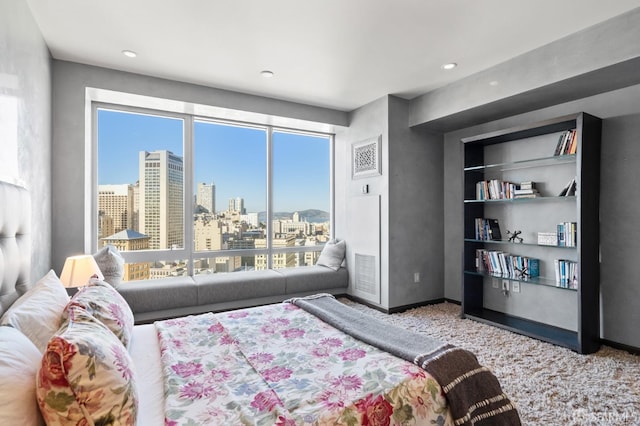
(537, 188)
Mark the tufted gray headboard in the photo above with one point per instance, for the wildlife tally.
(15, 243)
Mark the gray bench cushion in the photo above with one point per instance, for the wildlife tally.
(160, 294)
(313, 278)
(224, 287)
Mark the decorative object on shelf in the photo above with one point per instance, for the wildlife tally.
(548, 238)
(515, 236)
(522, 273)
(365, 158)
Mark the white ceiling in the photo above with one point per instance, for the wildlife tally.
(340, 54)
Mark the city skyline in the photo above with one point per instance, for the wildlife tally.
(233, 158)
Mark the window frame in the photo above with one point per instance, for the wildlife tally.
(188, 252)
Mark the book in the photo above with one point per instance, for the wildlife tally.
(560, 233)
(494, 189)
(533, 267)
(573, 146)
(487, 229)
(559, 145)
(494, 229)
(533, 195)
(569, 189)
(573, 283)
(527, 185)
(572, 188)
(567, 143)
(525, 191)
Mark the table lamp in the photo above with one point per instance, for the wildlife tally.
(78, 269)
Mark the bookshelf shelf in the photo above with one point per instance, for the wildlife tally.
(524, 200)
(473, 240)
(541, 307)
(534, 162)
(534, 281)
(527, 327)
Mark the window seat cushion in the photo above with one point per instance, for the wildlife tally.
(152, 300)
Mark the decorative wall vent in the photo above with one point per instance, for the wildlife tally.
(365, 274)
(365, 158)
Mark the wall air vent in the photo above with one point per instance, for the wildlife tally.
(365, 274)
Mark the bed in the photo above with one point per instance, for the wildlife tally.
(308, 361)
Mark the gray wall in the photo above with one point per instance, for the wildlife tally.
(25, 120)
(416, 212)
(368, 121)
(410, 189)
(619, 208)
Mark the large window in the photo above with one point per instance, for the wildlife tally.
(259, 197)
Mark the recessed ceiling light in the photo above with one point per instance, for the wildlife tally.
(129, 53)
(493, 83)
(266, 73)
(449, 66)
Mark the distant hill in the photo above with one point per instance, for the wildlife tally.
(310, 215)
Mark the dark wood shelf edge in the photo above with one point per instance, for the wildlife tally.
(545, 332)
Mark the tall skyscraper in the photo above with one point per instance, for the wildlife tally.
(115, 209)
(237, 205)
(161, 199)
(207, 197)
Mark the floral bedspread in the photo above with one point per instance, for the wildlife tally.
(280, 365)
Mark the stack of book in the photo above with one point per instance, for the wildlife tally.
(526, 190)
(506, 265)
(566, 273)
(567, 234)
(567, 143)
(487, 229)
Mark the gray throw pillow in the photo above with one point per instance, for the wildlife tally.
(111, 263)
(332, 254)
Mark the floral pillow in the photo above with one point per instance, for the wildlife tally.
(105, 304)
(86, 376)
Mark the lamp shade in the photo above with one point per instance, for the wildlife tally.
(78, 269)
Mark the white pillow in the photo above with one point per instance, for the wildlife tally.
(37, 313)
(19, 363)
(332, 254)
(111, 264)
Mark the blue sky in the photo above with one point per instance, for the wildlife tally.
(234, 158)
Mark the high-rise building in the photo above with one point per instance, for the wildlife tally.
(206, 197)
(161, 199)
(135, 221)
(115, 209)
(237, 205)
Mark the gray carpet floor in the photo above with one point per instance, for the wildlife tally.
(551, 385)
